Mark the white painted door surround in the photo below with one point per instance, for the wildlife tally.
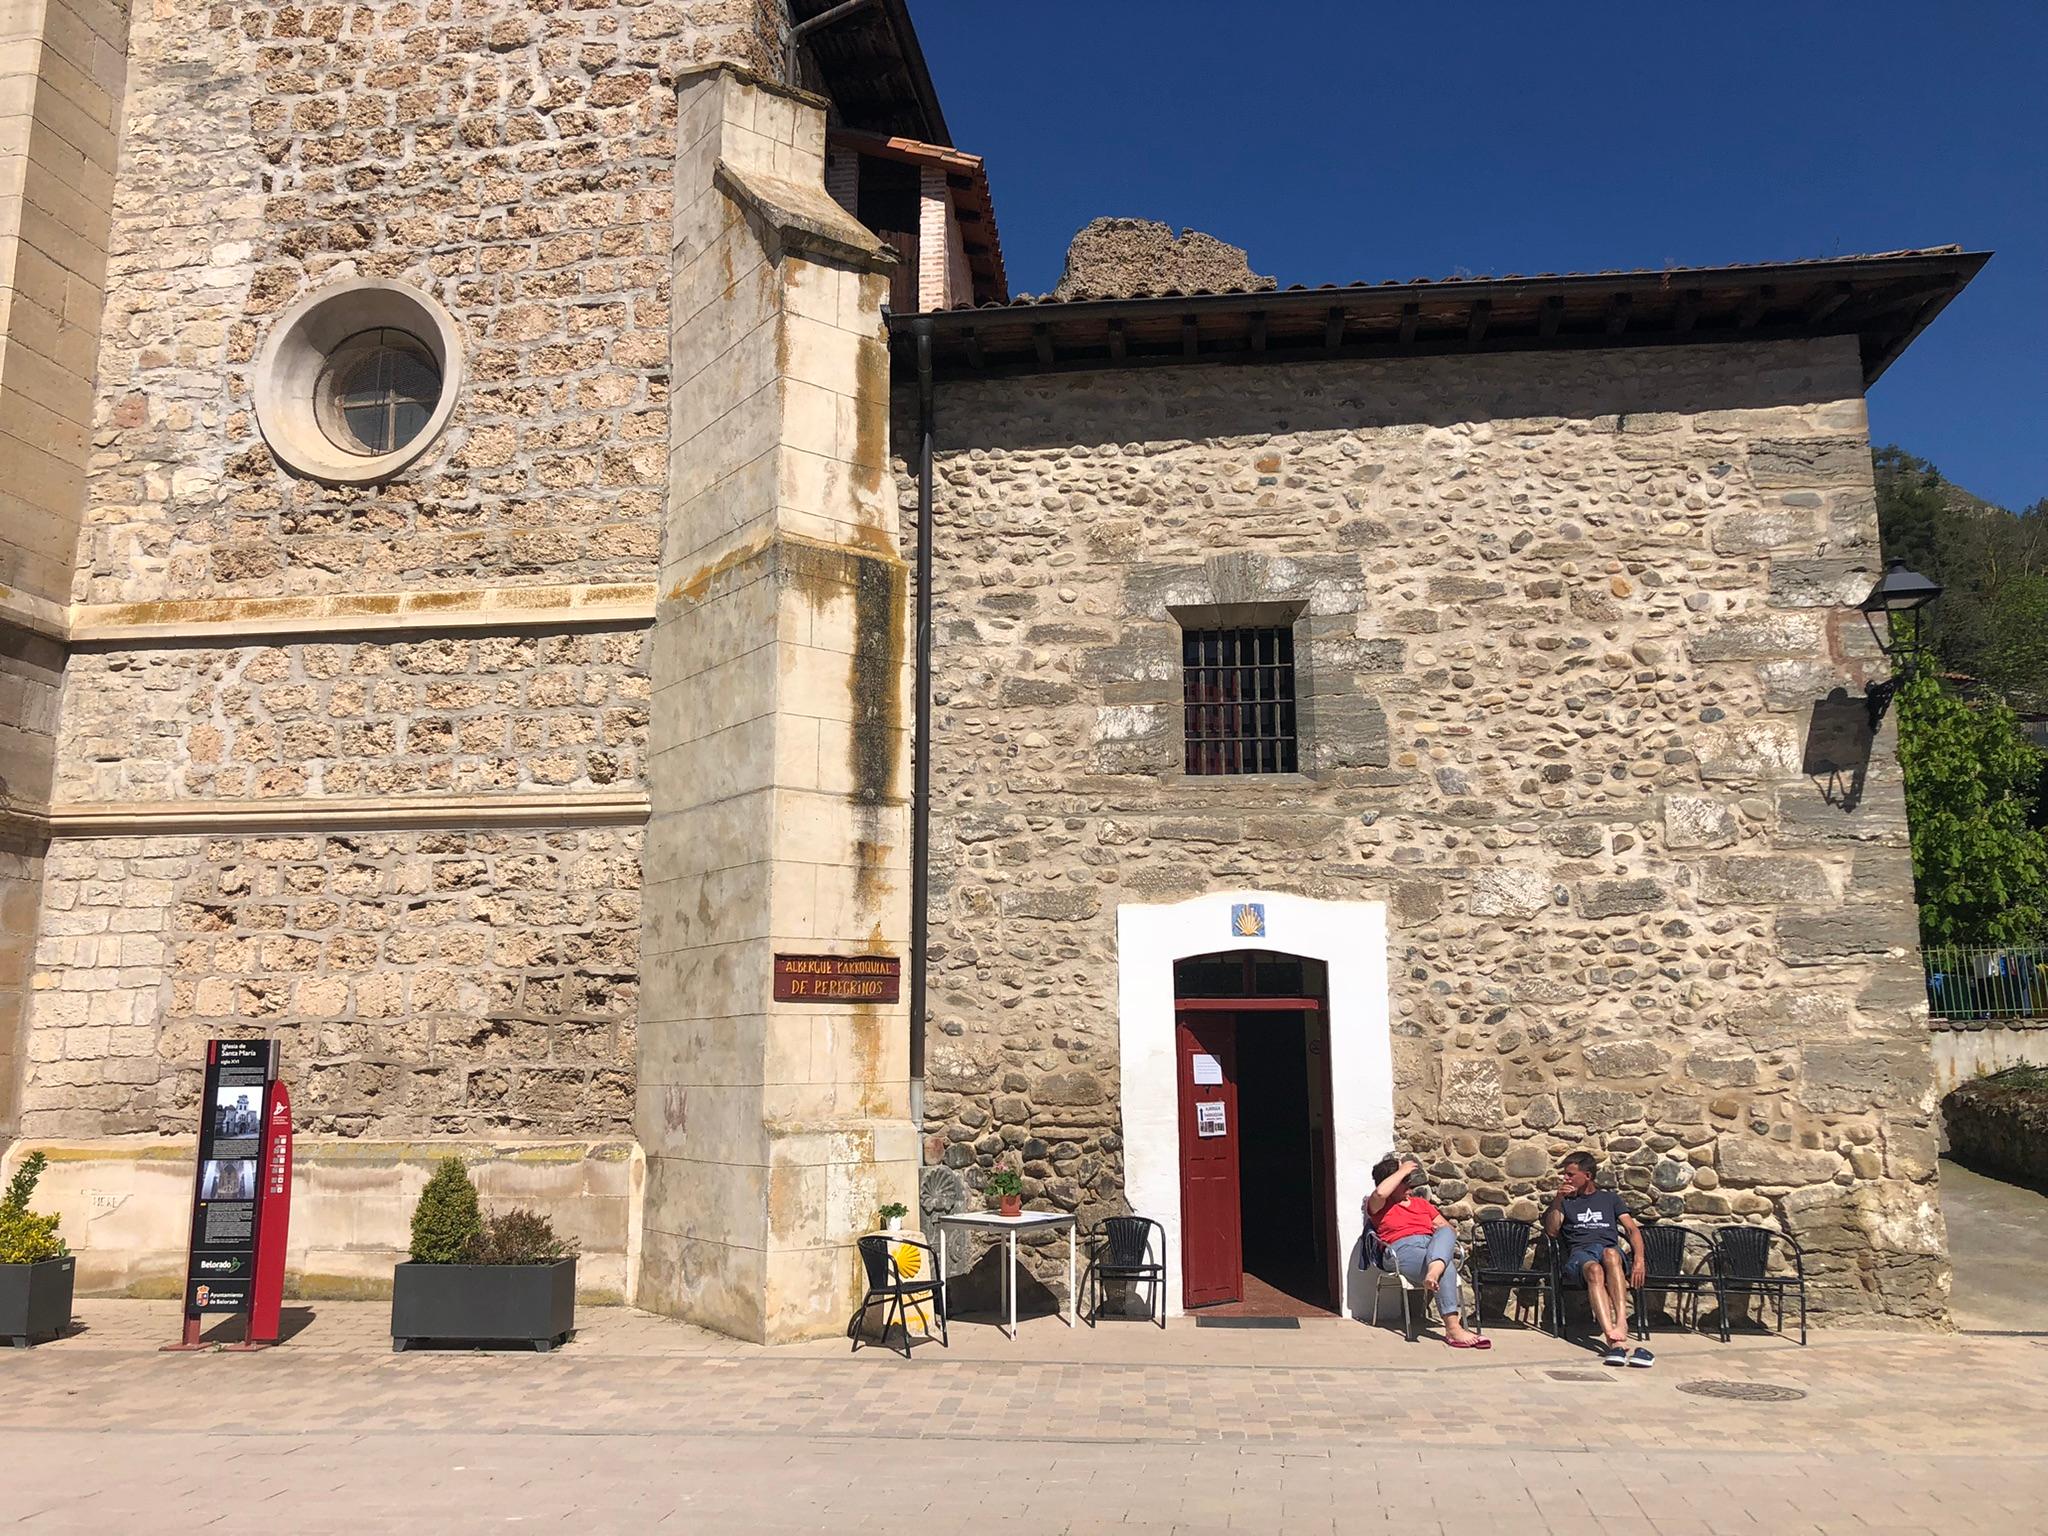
(1350, 937)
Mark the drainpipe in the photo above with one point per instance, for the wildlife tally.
(921, 735)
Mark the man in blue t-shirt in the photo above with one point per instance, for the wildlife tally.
(1589, 1222)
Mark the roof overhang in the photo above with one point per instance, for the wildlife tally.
(973, 204)
(1884, 301)
(873, 68)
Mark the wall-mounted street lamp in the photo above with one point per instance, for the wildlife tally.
(1898, 591)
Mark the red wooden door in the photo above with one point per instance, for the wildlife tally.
(1322, 1153)
(1211, 1235)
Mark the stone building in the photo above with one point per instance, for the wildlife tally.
(468, 468)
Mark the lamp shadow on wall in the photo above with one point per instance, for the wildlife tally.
(1839, 737)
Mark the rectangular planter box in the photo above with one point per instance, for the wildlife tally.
(483, 1304)
(35, 1299)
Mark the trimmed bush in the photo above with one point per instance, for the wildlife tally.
(447, 1224)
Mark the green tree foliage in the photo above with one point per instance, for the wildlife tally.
(25, 1237)
(447, 1225)
(1991, 625)
(1972, 778)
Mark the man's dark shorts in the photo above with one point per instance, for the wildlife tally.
(1576, 1261)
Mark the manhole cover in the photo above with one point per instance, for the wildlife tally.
(1577, 1376)
(1743, 1391)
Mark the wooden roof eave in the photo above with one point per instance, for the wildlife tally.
(1885, 301)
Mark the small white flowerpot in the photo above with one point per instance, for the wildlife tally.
(893, 1224)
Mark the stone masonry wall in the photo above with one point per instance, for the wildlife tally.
(1567, 625)
(31, 672)
(426, 984)
(455, 713)
(515, 161)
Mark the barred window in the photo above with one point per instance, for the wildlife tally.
(1238, 687)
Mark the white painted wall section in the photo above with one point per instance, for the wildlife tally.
(1350, 937)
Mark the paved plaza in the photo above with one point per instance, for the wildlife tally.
(643, 1423)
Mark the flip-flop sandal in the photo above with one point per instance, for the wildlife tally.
(1470, 1343)
(1616, 1355)
(1642, 1358)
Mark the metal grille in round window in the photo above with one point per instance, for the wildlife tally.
(378, 392)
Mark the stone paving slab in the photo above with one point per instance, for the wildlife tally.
(644, 1423)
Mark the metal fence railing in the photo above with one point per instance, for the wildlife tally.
(1979, 981)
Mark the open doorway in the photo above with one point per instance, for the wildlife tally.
(1259, 1231)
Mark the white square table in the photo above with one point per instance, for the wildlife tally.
(1011, 1225)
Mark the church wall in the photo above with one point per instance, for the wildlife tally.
(405, 716)
(359, 767)
(31, 671)
(1566, 622)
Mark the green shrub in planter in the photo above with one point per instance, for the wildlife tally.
(447, 1224)
(505, 1277)
(25, 1237)
(520, 1236)
(36, 1269)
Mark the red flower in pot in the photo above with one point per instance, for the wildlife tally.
(1005, 1186)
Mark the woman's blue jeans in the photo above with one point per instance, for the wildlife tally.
(1412, 1256)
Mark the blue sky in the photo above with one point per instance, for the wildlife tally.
(1350, 139)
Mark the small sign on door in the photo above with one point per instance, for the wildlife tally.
(1208, 1071)
(1209, 1118)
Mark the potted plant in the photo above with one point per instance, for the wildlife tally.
(1006, 1187)
(893, 1214)
(36, 1269)
(477, 1278)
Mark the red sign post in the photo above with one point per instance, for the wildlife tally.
(273, 1220)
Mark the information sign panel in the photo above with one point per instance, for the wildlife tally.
(241, 1188)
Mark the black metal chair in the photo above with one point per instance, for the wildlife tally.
(1120, 1248)
(1670, 1269)
(895, 1292)
(1504, 1257)
(1743, 1268)
(1572, 1282)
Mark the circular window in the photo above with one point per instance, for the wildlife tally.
(355, 381)
(377, 393)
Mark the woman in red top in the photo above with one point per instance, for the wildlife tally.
(1416, 1240)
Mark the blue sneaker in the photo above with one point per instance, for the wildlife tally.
(1616, 1355)
(1642, 1358)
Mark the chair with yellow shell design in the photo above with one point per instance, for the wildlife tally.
(902, 1275)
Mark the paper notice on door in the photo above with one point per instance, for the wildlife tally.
(1208, 1071)
(1209, 1118)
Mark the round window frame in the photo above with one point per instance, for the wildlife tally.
(350, 354)
(292, 366)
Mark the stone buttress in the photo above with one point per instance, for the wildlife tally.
(778, 750)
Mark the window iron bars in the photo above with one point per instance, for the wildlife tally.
(1239, 708)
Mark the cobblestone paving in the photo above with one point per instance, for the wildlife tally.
(641, 1423)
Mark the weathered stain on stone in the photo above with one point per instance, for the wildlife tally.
(693, 587)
